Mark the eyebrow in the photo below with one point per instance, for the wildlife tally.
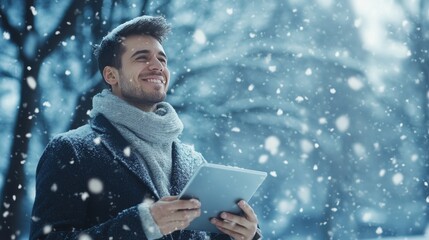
(146, 52)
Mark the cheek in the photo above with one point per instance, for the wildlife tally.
(167, 74)
(132, 78)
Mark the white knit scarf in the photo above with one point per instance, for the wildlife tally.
(150, 133)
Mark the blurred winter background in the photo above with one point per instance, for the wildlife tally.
(329, 97)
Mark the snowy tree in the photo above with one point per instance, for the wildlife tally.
(32, 45)
(328, 97)
(48, 89)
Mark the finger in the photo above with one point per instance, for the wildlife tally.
(248, 211)
(238, 220)
(234, 235)
(163, 211)
(228, 228)
(173, 226)
(239, 224)
(183, 205)
(169, 198)
(184, 215)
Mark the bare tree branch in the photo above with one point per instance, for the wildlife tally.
(84, 102)
(145, 7)
(66, 26)
(29, 16)
(14, 33)
(162, 9)
(6, 74)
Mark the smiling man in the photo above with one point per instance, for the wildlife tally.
(118, 177)
(143, 77)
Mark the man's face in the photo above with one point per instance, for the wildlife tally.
(143, 78)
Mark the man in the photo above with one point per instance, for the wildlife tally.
(118, 177)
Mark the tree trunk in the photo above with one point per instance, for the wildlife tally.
(14, 190)
(84, 103)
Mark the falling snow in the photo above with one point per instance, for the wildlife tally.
(84, 196)
(127, 151)
(6, 35)
(299, 99)
(200, 37)
(46, 104)
(263, 159)
(306, 146)
(398, 178)
(272, 68)
(342, 123)
(95, 185)
(251, 87)
(334, 109)
(33, 10)
(97, 141)
(272, 144)
(31, 82)
(84, 236)
(47, 229)
(54, 187)
(235, 129)
(355, 84)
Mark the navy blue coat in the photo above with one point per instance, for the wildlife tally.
(64, 206)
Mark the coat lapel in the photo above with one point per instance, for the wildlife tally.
(182, 168)
(121, 151)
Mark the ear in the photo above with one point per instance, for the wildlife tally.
(111, 75)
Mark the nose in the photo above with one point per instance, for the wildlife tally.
(155, 65)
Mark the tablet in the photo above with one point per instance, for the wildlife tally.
(219, 188)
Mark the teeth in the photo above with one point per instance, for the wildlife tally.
(155, 81)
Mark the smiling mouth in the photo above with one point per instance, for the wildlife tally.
(155, 80)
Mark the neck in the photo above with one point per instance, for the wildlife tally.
(144, 107)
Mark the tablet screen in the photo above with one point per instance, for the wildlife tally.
(219, 188)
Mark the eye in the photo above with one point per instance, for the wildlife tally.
(141, 58)
(163, 60)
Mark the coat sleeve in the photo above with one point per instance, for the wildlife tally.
(60, 206)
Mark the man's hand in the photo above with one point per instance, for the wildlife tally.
(238, 227)
(171, 214)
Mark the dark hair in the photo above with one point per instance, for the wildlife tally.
(110, 49)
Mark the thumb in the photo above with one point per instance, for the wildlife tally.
(169, 198)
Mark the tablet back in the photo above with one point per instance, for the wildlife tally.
(219, 188)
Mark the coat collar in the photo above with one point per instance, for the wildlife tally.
(181, 173)
(116, 144)
(119, 148)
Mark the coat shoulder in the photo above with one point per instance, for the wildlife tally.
(79, 140)
(188, 151)
(81, 134)
(70, 146)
